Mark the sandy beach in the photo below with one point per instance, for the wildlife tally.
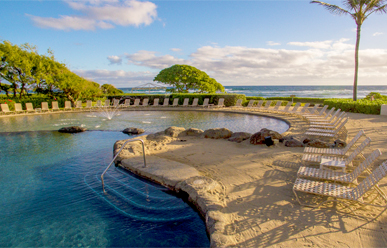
(252, 203)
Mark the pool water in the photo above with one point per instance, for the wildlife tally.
(51, 196)
(150, 121)
(51, 192)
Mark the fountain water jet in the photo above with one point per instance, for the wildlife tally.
(109, 111)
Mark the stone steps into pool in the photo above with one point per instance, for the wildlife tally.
(136, 198)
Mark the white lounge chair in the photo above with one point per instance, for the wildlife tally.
(156, 102)
(29, 107)
(259, 105)
(206, 103)
(326, 128)
(276, 107)
(89, 104)
(136, 102)
(305, 108)
(328, 134)
(324, 117)
(98, 104)
(126, 103)
(195, 102)
(166, 102)
(238, 103)
(78, 105)
(145, 102)
(312, 111)
(267, 105)
(175, 102)
(335, 151)
(287, 107)
(318, 114)
(318, 158)
(329, 125)
(311, 172)
(295, 108)
(107, 103)
(45, 106)
(18, 108)
(185, 103)
(338, 114)
(220, 103)
(251, 104)
(340, 192)
(5, 109)
(116, 103)
(68, 105)
(55, 106)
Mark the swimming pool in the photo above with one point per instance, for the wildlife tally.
(150, 121)
(50, 188)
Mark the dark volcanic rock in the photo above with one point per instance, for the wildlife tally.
(339, 144)
(259, 138)
(293, 143)
(319, 143)
(174, 131)
(191, 132)
(133, 130)
(239, 137)
(73, 129)
(217, 133)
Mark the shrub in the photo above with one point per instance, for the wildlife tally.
(376, 95)
(11, 103)
(363, 106)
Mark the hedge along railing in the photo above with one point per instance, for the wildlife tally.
(360, 106)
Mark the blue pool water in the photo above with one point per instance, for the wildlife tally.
(51, 194)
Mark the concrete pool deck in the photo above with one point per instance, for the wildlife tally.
(244, 191)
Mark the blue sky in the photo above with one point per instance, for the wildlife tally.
(126, 43)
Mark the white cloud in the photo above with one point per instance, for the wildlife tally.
(175, 49)
(325, 62)
(317, 44)
(115, 59)
(118, 78)
(272, 43)
(149, 59)
(237, 65)
(377, 34)
(102, 14)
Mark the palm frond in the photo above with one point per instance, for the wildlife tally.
(351, 4)
(334, 9)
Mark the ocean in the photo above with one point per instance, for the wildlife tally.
(298, 91)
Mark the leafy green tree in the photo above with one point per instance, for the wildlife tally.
(74, 86)
(6, 88)
(24, 68)
(16, 65)
(109, 89)
(359, 10)
(184, 78)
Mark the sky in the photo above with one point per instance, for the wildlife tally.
(127, 42)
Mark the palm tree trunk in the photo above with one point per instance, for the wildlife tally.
(356, 61)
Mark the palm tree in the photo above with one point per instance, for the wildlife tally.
(359, 10)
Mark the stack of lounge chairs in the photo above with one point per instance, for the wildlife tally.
(342, 185)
